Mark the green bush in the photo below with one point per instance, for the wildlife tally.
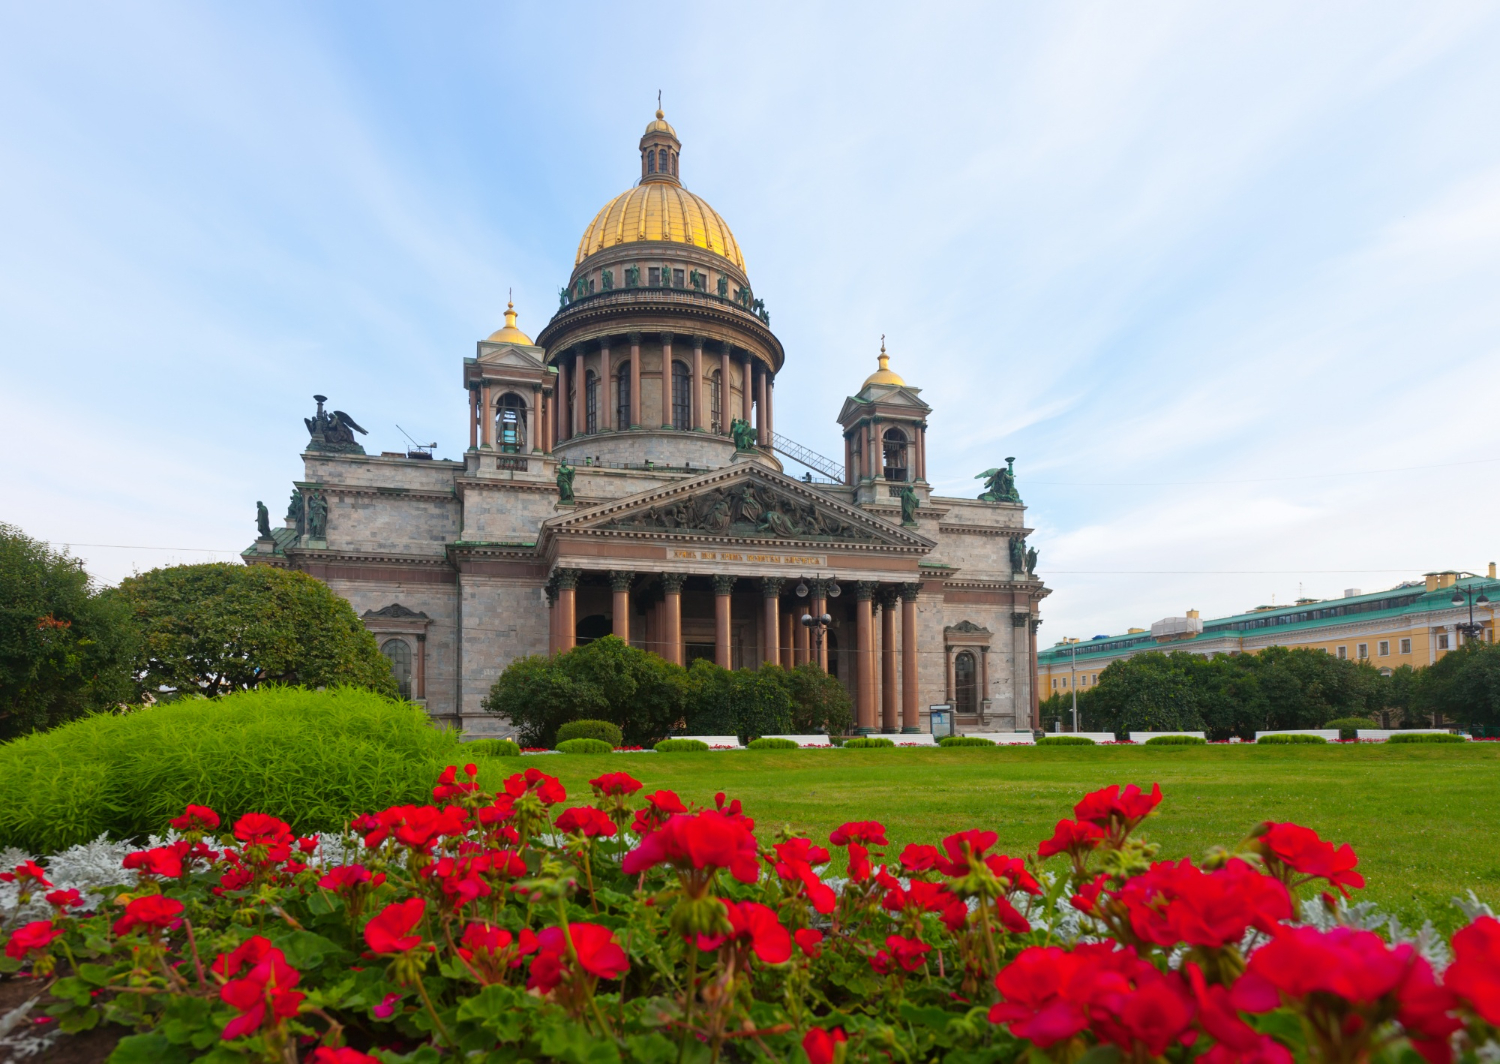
(1347, 726)
(772, 742)
(1175, 740)
(591, 729)
(867, 742)
(1284, 739)
(492, 748)
(680, 746)
(1065, 740)
(961, 740)
(739, 702)
(1426, 737)
(312, 758)
(584, 746)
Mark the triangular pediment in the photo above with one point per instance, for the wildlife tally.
(511, 355)
(888, 399)
(743, 502)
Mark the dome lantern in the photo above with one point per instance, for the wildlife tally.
(509, 334)
(883, 375)
(659, 151)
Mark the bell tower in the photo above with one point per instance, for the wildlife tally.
(659, 151)
(885, 437)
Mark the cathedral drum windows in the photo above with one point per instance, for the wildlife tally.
(682, 397)
(622, 395)
(591, 403)
(716, 404)
(510, 423)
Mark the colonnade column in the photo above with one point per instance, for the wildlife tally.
(668, 420)
(619, 583)
(534, 420)
(888, 723)
(799, 640)
(635, 380)
(607, 414)
(909, 711)
(473, 417)
(486, 422)
(788, 626)
(864, 674)
(671, 584)
(770, 414)
(820, 607)
(724, 408)
(422, 665)
(580, 396)
(762, 429)
(747, 390)
(552, 612)
(770, 589)
(697, 410)
(723, 589)
(564, 419)
(567, 601)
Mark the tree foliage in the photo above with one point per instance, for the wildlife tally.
(1463, 685)
(65, 649)
(217, 628)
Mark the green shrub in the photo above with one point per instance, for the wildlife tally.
(1285, 739)
(739, 702)
(867, 742)
(962, 740)
(1065, 740)
(680, 746)
(591, 729)
(772, 742)
(312, 758)
(584, 746)
(492, 748)
(1426, 737)
(1175, 740)
(1347, 726)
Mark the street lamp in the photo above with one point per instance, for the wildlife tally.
(1461, 595)
(1073, 668)
(817, 626)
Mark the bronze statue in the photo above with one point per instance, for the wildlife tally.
(723, 286)
(1000, 484)
(1018, 554)
(262, 520)
(565, 474)
(908, 506)
(332, 432)
(1031, 562)
(296, 511)
(317, 515)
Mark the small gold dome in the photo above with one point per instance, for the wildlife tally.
(659, 211)
(883, 375)
(510, 334)
(660, 125)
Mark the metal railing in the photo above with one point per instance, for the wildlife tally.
(808, 457)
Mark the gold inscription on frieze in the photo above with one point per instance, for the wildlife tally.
(799, 560)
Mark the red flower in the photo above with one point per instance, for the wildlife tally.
(1012, 872)
(343, 879)
(198, 818)
(1474, 974)
(448, 785)
(27, 870)
(615, 784)
(153, 911)
(821, 1046)
(1175, 903)
(705, 841)
(859, 863)
(340, 1055)
(1288, 848)
(599, 955)
(809, 941)
(923, 897)
(65, 899)
(796, 858)
(259, 829)
(494, 949)
(265, 992)
(868, 831)
(1042, 995)
(1237, 1042)
(422, 825)
(1010, 917)
(919, 858)
(534, 781)
(1074, 838)
(1116, 811)
(37, 935)
(164, 861)
(1087, 898)
(963, 847)
(585, 820)
(390, 930)
(905, 952)
(1156, 1013)
(755, 925)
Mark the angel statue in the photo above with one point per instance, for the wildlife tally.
(1000, 484)
(743, 433)
(332, 431)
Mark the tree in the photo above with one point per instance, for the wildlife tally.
(65, 649)
(216, 628)
(1149, 692)
(1463, 685)
(819, 702)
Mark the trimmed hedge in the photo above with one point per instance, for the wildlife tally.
(493, 748)
(771, 742)
(1426, 737)
(1285, 739)
(680, 746)
(1065, 740)
(591, 729)
(584, 746)
(868, 742)
(962, 740)
(1175, 740)
(1347, 726)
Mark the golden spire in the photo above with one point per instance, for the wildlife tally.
(510, 334)
(884, 375)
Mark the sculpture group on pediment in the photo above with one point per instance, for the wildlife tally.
(746, 509)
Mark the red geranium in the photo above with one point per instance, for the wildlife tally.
(615, 784)
(37, 935)
(660, 807)
(390, 930)
(196, 818)
(1474, 974)
(65, 899)
(702, 842)
(340, 1055)
(421, 826)
(1237, 1042)
(259, 829)
(599, 955)
(907, 953)
(29, 876)
(534, 781)
(1042, 995)
(755, 927)
(821, 1046)
(809, 941)
(923, 897)
(263, 993)
(963, 848)
(1116, 811)
(449, 785)
(871, 832)
(1076, 838)
(585, 820)
(1291, 848)
(1174, 903)
(342, 879)
(919, 857)
(164, 861)
(491, 950)
(152, 911)
(794, 863)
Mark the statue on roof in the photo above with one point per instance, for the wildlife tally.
(1018, 554)
(332, 431)
(565, 474)
(1031, 562)
(317, 515)
(296, 513)
(262, 520)
(743, 433)
(1000, 484)
(908, 506)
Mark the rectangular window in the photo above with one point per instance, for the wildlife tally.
(1406, 646)
(1364, 651)
(1054, 683)
(676, 278)
(1442, 640)
(1343, 652)
(653, 276)
(1385, 648)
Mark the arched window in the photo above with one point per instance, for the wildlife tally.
(622, 393)
(510, 423)
(398, 653)
(650, 161)
(895, 454)
(682, 399)
(591, 402)
(716, 403)
(674, 164)
(965, 684)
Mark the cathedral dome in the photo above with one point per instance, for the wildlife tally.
(509, 334)
(883, 375)
(659, 208)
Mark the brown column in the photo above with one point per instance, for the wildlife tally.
(726, 412)
(619, 583)
(667, 421)
(849, 477)
(552, 612)
(473, 418)
(1036, 702)
(762, 429)
(770, 415)
(567, 584)
(799, 637)
(564, 419)
(864, 674)
(770, 642)
(607, 413)
(921, 441)
(534, 418)
(486, 422)
(888, 651)
(422, 665)
(653, 637)
(820, 607)
(580, 400)
(723, 589)
(910, 715)
(697, 412)
(747, 389)
(635, 380)
(672, 615)
(788, 624)
(948, 674)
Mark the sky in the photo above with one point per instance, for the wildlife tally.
(1221, 277)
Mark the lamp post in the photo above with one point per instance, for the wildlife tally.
(816, 626)
(1466, 594)
(1073, 670)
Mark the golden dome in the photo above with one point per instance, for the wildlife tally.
(659, 211)
(510, 334)
(660, 125)
(883, 375)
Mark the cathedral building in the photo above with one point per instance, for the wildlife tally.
(623, 477)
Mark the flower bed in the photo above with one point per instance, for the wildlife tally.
(636, 928)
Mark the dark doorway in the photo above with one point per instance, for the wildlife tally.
(595, 626)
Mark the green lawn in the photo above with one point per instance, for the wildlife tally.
(1420, 818)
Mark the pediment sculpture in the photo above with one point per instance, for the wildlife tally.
(745, 510)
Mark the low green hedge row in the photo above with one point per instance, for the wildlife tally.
(1175, 740)
(1065, 740)
(584, 746)
(680, 746)
(1284, 739)
(964, 740)
(867, 742)
(772, 742)
(492, 748)
(1426, 737)
(1348, 726)
(602, 730)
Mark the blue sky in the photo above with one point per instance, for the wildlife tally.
(1222, 277)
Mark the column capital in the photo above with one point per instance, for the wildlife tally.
(1018, 620)
(604, 343)
(909, 592)
(698, 342)
(672, 583)
(567, 579)
(770, 586)
(666, 336)
(888, 596)
(634, 338)
(621, 579)
(724, 583)
(864, 590)
(550, 589)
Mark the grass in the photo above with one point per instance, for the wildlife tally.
(1421, 818)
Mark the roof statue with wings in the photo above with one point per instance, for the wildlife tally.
(1000, 484)
(332, 431)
